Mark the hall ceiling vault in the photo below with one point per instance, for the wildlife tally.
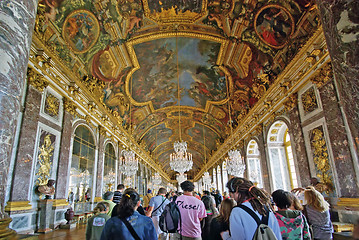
(153, 69)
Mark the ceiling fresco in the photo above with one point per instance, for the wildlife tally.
(179, 68)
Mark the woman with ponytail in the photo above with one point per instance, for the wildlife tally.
(241, 224)
(129, 224)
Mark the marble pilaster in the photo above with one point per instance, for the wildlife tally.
(100, 163)
(298, 145)
(264, 163)
(63, 165)
(24, 159)
(17, 19)
(340, 25)
(339, 142)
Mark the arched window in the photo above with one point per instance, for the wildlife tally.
(281, 157)
(253, 163)
(82, 167)
(109, 172)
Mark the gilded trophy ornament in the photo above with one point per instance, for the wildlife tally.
(309, 100)
(44, 159)
(52, 105)
(321, 158)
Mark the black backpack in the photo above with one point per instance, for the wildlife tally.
(170, 218)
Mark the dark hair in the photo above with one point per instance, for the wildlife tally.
(162, 191)
(258, 198)
(128, 203)
(207, 202)
(187, 186)
(281, 199)
(206, 192)
(120, 186)
(107, 195)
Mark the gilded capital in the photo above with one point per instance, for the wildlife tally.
(36, 80)
(69, 106)
(291, 102)
(323, 75)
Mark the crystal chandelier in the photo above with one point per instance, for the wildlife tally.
(129, 162)
(156, 179)
(109, 179)
(181, 178)
(235, 165)
(181, 160)
(207, 178)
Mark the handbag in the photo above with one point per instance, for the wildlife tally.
(130, 228)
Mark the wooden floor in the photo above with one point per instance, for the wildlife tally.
(66, 234)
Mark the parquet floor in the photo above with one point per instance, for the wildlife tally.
(66, 234)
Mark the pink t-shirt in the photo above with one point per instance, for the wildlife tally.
(191, 210)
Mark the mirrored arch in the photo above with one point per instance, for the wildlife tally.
(82, 169)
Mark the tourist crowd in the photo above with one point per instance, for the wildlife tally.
(237, 215)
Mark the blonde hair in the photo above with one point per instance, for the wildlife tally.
(315, 199)
(225, 209)
(295, 202)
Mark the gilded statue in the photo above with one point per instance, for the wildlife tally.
(46, 152)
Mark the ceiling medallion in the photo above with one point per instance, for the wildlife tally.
(81, 30)
(274, 25)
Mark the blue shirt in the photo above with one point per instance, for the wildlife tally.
(155, 202)
(116, 229)
(243, 226)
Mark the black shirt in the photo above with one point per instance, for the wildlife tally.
(216, 228)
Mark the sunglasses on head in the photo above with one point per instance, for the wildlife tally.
(231, 188)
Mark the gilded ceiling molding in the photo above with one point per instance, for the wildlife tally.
(324, 74)
(36, 80)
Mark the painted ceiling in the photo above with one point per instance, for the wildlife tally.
(176, 69)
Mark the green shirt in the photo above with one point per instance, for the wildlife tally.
(95, 225)
(112, 205)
